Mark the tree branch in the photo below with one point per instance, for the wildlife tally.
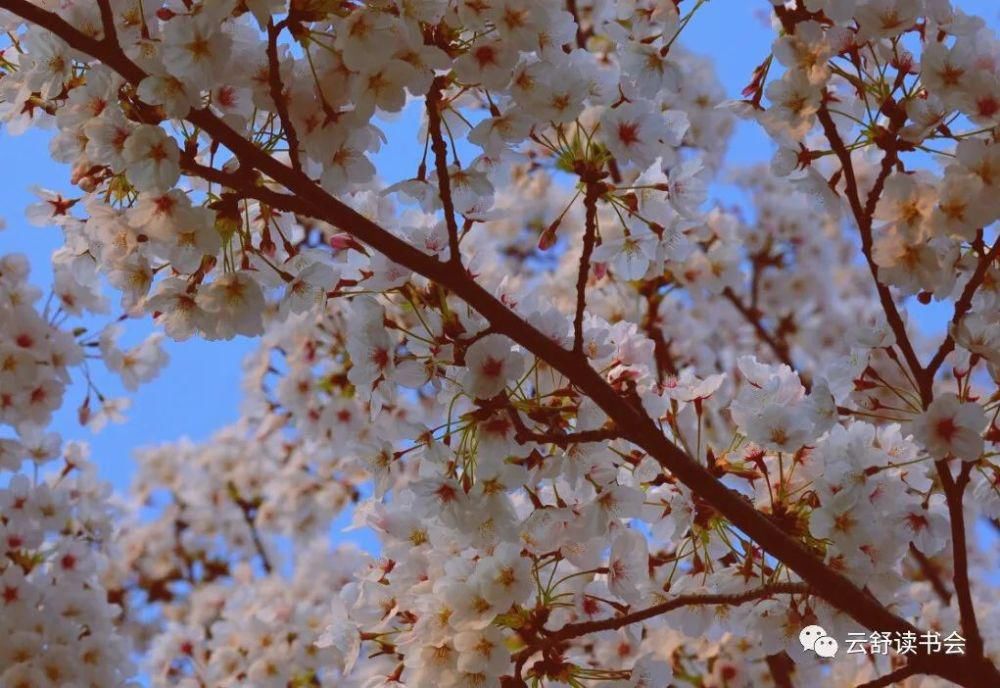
(589, 238)
(954, 490)
(277, 89)
(581, 35)
(441, 165)
(108, 22)
(953, 493)
(781, 667)
(863, 218)
(962, 307)
(752, 316)
(576, 630)
(665, 364)
(931, 574)
(248, 510)
(562, 439)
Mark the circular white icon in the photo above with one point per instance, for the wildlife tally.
(826, 647)
(809, 635)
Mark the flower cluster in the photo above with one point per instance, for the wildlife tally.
(34, 363)
(56, 534)
(59, 623)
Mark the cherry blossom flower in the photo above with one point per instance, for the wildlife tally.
(492, 363)
(634, 132)
(194, 49)
(151, 158)
(234, 303)
(629, 254)
(505, 577)
(951, 427)
(628, 566)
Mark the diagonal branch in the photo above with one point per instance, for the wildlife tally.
(931, 574)
(778, 347)
(249, 513)
(577, 630)
(777, 344)
(863, 218)
(963, 305)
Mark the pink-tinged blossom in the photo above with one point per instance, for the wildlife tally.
(151, 159)
(951, 427)
(492, 364)
(635, 132)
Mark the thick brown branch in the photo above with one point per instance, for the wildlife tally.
(636, 427)
(781, 667)
(440, 151)
(107, 21)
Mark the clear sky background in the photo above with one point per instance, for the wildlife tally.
(199, 391)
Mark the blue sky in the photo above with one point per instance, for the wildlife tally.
(200, 390)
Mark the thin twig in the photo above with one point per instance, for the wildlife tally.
(863, 218)
(589, 239)
(249, 512)
(440, 150)
(753, 316)
(664, 361)
(963, 305)
(931, 574)
(562, 439)
(278, 93)
(576, 630)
